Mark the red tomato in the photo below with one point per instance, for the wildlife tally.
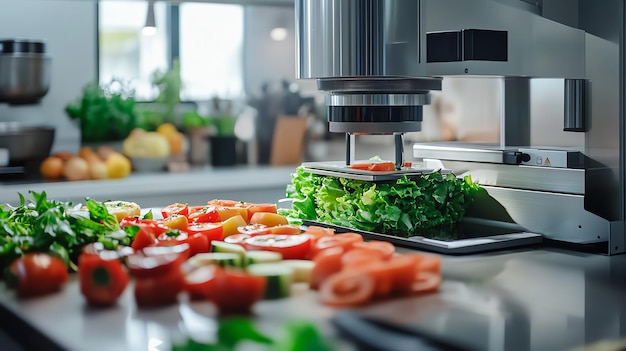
(157, 260)
(204, 214)
(102, 280)
(224, 203)
(254, 208)
(345, 240)
(327, 263)
(232, 290)
(160, 290)
(175, 208)
(384, 248)
(426, 282)
(290, 246)
(375, 166)
(254, 229)
(156, 227)
(347, 288)
(239, 239)
(144, 238)
(38, 274)
(213, 231)
(198, 243)
(318, 232)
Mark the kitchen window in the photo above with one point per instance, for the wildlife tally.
(206, 38)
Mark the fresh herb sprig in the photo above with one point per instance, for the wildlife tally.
(44, 225)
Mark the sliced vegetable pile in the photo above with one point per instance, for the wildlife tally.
(230, 253)
(405, 207)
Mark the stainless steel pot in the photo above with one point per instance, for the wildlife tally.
(24, 71)
(26, 141)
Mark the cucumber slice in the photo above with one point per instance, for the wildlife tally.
(223, 259)
(279, 278)
(258, 256)
(302, 269)
(220, 246)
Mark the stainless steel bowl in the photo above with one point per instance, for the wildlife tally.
(26, 141)
(24, 71)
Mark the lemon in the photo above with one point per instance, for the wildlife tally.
(166, 129)
(118, 166)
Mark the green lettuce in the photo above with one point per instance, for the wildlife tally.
(405, 207)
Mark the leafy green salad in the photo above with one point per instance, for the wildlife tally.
(404, 207)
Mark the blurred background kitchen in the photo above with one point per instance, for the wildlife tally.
(214, 78)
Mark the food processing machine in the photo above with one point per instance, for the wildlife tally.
(554, 63)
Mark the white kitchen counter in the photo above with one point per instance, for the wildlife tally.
(254, 184)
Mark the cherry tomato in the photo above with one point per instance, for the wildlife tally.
(232, 290)
(176, 221)
(102, 280)
(254, 229)
(38, 274)
(144, 238)
(156, 227)
(224, 203)
(269, 219)
(290, 246)
(175, 208)
(160, 290)
(213, 231)
(157, 260)
(239, 239)
(198, 243)
(204, 214)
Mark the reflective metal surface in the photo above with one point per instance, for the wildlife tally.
(377, 100)
(24, 77)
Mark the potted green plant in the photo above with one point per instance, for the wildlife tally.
(223, 142)
(198, 130)
(104, 113)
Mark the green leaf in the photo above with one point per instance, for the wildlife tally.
(233, 330)
(302, 336)
(148, 215)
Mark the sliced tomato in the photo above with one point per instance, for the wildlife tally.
(290, 246)
(38, 274)
(327, 263)
(426, 282)
(345, 240)
(318, 232)
(176, 221)
(154, 226)
(233, 291)
(213, 231)
(102, 280)
(204, 214)
(402, 270)
(430, 263)
(239, 239)
(254, 229)
(143, 238)
(355, 256)
(160, 290)
(360, 166)
(224, 203)
(269, 219)
(382, 167)
(157, 260)
(198, 243)
(175, 208)
(384, 248)
(254, 208)
(347, 288)
(288, 229)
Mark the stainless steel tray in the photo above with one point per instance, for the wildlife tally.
(478, 235)
(339, 169)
